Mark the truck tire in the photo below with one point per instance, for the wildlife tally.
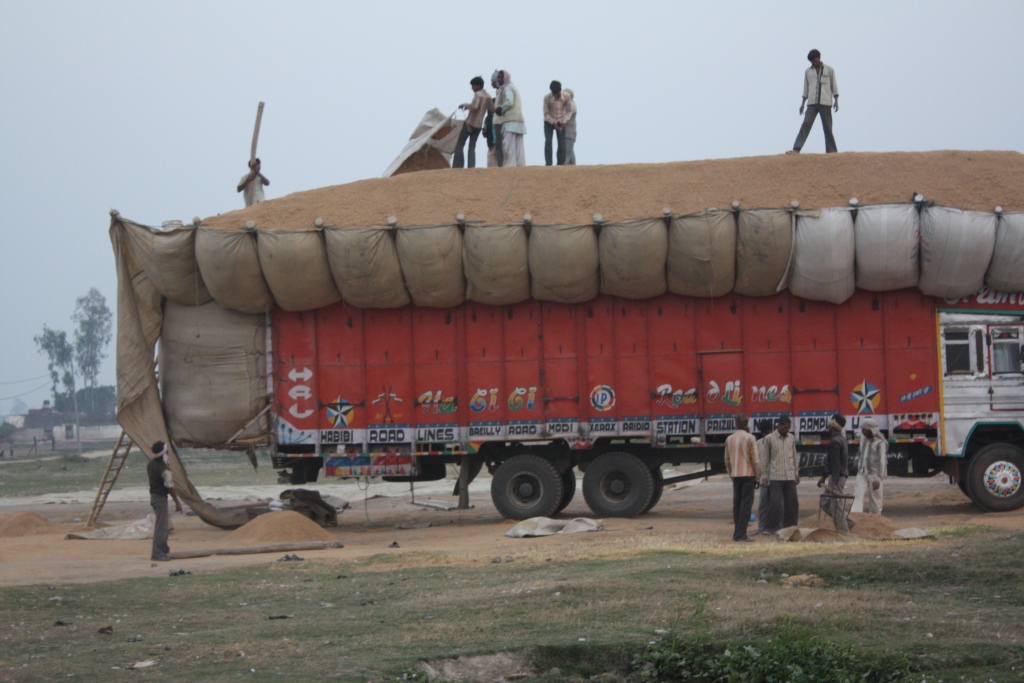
(526, 486)
(659, 488)
(618, 485)
(995, 478)
(568, 489)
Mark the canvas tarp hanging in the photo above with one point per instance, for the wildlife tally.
(823, 251)
(1006, 271)
(632, 256)
(295, 266)
(888, 247)
(230, 264)
(764, 242)
(563, 263)
(956, 248)
(496, 263)
(431, 260)
(430, 146)
(364, 263)
(168, 258)
(702, 254)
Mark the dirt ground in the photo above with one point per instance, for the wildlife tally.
(692, 517)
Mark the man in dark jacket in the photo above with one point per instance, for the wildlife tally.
(837, 469)
(160, 485)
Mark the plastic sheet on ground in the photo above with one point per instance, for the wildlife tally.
(295, 266)
(1006, 271)
(563, 263)
(364, 263)
(632, 256)
(545, 526)
(888, 247)
(764, 242)
(496, 263)
(230, 265)
(702, 254)
(133, 531)
(431, 259)
(795, 534)
(956, 248)
(823, 252)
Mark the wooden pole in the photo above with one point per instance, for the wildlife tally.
(256, 133)
(250, 550)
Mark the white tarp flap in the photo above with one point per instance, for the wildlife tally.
(823, 252)
(1006, 271)
(364, 263)
(632, 256)
(426, 135)
(496, 261)
(295, 266)
(431, 259)
(563, 263)
(230, 265)
(702, 254)
(545, 526)
(956, 248)
(764, 242)
(169, 259)
(138, 530)
(212, 374)
(888, 246)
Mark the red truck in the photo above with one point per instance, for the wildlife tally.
(619, 388)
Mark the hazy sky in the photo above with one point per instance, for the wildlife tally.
(148, 107)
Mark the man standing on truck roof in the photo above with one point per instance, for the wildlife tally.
(556, 116)
(493, 125)
(513, 124)
(160, 484)
(570, 128)
(783, 475)
(871, 468)
(821, 98)
(474, 123)
(251, 184)
(742, 465)
(764, 497)
(837, 469)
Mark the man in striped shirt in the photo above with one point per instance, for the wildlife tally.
(742, 464)
(782, 473)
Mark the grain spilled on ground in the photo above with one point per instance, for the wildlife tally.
(24, 524)
(279, 527)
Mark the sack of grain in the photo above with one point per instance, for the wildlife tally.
(230, 265)
(1006, 271)
(169, 260)
(888, 247)
(823, 251)
(294, 263)
(632, 257)
(764, 241)
(364, 263)
(956, 248)
(212, 374)
(563, 263)
(496, 262)
(702, 254)
(431, 259)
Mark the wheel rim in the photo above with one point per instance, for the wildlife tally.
(616, 487)
(1002, 479)
(525, 489)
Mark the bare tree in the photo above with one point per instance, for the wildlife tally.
(92, 335)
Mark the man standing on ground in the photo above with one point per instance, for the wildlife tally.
(474, 123)
(570, 129)
(837, 469)
(556, 115)
(160, 485)
(871, 468)
(252, 184)
(783, 475)
(764, 497)
(742, 465)
(821, 97)
(513, 125)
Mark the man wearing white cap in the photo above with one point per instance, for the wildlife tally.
(160, 484)
(871, 468)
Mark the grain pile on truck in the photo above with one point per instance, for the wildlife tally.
(610, 319)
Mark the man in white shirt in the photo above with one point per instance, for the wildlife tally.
(513, 125)
(821, 98)
(556, 115)
(473, 125)
(251, 184)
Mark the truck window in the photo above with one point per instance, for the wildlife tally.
(958, 352)
(1006, 351)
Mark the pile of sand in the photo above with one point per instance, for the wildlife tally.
(572, 194)
(24, 524)
(287, 526)
(873, 526)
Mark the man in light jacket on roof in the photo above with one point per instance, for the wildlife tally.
(251, 184)
(871, 468)
(570, 129)
(513, 125)
(556, 116)
(821, 98)
(475, 112)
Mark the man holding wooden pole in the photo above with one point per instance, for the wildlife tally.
(251, 184)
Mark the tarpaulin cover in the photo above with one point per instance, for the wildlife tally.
(888, 247)
(295, 266)
(702, 254)
(496, 263)
(764, 241)
(428, 136)
(632, 256)
(956, 248)
(431, 260)
(1006, 271)
(365, 266)
(823, 251)
(212, 374)
(168, 258)
(230, 265)
(563, 263)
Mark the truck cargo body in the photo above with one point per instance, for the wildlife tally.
(397, 392)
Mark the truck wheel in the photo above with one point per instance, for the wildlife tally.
(526, 486)
(618, 485)
(994, 478)
(963, 485)
(659, 488)
(568, 489)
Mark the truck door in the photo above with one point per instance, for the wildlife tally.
(1005, 372)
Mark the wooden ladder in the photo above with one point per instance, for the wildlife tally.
(114, 465)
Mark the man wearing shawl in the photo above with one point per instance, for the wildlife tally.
(513, 125)
(871, 468)
(160, 485)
